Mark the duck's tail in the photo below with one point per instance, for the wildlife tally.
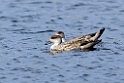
(97, 34)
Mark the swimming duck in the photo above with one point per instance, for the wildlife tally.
(69, 45)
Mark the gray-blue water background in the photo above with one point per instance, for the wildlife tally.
(25, 25)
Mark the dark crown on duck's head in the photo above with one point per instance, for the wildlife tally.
(59, 32)
(55, 36)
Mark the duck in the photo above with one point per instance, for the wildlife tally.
(60, 46)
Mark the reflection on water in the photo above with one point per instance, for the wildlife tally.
(25, 26)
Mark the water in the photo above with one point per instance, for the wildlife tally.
(25, 25)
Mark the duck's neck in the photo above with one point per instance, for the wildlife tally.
(63, 39)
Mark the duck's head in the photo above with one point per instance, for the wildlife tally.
(56, 39)
(61, 33)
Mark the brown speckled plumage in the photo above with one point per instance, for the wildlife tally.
(80, 42)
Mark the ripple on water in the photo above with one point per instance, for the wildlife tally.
(23, 32)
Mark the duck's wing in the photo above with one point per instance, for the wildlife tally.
(90, 44)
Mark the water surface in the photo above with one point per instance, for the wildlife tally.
(25, 25)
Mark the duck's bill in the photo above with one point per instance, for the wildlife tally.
(49, 42)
